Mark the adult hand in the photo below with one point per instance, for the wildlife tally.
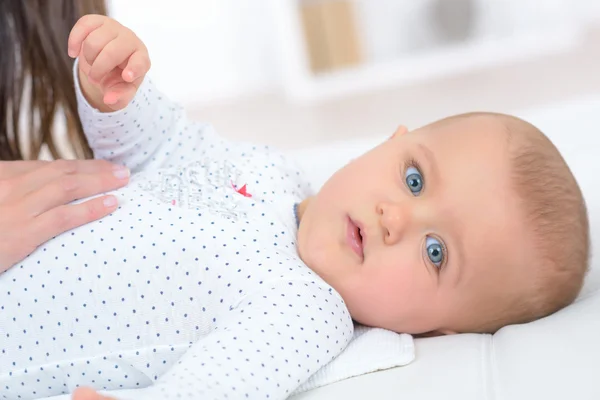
(35, 197)
(86, 393)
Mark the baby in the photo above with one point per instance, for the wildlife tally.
(221, 275)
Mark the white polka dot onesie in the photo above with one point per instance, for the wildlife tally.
(191, 289)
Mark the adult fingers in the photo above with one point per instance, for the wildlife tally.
(68, 188)
(10, 169)
(64, 218)
(54, 170)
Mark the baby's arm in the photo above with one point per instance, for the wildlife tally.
(265, 348)
(125, 119)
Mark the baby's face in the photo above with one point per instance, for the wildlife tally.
(416, 233)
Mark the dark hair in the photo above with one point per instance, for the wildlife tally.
(36, 73)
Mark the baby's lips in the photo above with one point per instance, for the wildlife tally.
(361, 232)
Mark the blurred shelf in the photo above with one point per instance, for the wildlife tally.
(435, 63)
(301, 85)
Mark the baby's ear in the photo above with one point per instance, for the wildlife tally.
(399, 132)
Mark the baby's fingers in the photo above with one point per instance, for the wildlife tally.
(119, 95)
(95, 43)
(111, 56)
(84, 26)
(137, 67)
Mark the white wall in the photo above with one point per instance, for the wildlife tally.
(204, 50)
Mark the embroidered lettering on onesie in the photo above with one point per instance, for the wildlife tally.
(205, 184)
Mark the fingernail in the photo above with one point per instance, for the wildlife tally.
(130, 75)
(121, 172)
(110, 201)
(71, 53)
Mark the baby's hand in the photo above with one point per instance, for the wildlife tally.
(112, 61)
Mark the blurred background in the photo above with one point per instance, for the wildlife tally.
(297, 73)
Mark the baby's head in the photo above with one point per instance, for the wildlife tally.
(466, 225)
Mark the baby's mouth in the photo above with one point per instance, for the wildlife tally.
(354, 238)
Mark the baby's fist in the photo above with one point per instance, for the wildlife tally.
(112, 61)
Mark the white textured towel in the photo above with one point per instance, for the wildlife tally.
(370, 350)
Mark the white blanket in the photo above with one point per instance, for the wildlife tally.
(370, 350)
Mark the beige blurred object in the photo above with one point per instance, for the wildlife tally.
(331, 35)
(314, 35)
(342, 35)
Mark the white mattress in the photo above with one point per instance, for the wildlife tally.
(554, 358)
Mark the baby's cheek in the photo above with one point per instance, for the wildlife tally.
(335, 191)
(404, 280)
(397, 281)
(347, 182)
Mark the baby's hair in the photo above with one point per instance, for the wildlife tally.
(556, 215)
(556, 212)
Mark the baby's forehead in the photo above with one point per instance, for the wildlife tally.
(466, 140)
(505, 130)
(481, 123)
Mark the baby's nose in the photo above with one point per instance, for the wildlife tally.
(393, 218)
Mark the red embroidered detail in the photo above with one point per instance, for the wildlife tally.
(242, 190)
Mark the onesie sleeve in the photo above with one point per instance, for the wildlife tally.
(151, 132)
(265, 348)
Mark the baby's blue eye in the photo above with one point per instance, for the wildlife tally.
(414, 180)
(435, 251)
